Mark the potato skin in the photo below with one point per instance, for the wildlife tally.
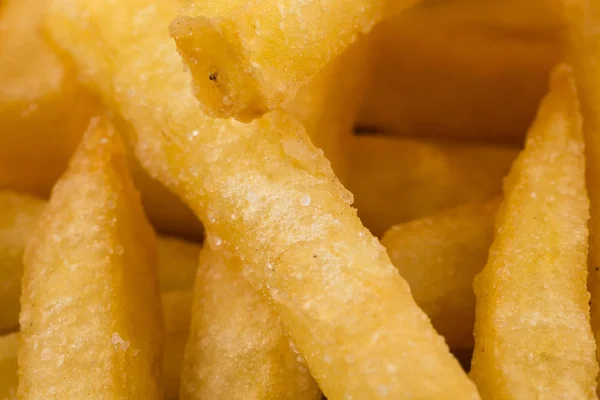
(90, 303)
(532, 329)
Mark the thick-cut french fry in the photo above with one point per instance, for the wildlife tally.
(496, 56)
(9, 347)
(18, 217)
(42, 109)
(268, 195)
(43, 113)
(91, 319)
(237, 348)
(328, 105)
(439, 256)
(177, 263)
(177, 308)
(396, 180)
(532, 330)
(584, 18)
(19, 212)
(250, 57)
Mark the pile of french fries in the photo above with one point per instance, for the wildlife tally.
(299, 199)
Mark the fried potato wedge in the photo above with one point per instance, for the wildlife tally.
(177, 310)
(395, 180)
(249, 57)
(90, 303)
(439, 257)
(496, 57)
(583, 18)
(532, 329)
(19, 215)
(266, 193)
(9, 348)
(328, 105)
(237, 348)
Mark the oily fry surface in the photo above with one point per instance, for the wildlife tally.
(90, 305)
(532, 331)
(439, 257)
(244, 180)
(228, 311)
(583, 19)
(249, 57)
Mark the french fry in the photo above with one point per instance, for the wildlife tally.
(248, 58)
(43, 113)
(9, 347)
(583, 18)
(271, 198)
(439, 256)
(177, 308)
(496, 57)
(177, 263)
(396, 180)
(42, 108)
(18, 217)
(90, 305)
(532, 326)
(328, 105)
(227, 313)
(19, 213)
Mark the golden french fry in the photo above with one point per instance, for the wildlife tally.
(9, 347)
(19, 214)
(177, 263)
(248, 58)
(43, 113)
(396, 180)
(328, 105)
(269, 196)
(439, 256)
(583, 18)
(42, 109)
(237, 348)
(496, 56)
(177, 308)
(532, 329)
(91, 323)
